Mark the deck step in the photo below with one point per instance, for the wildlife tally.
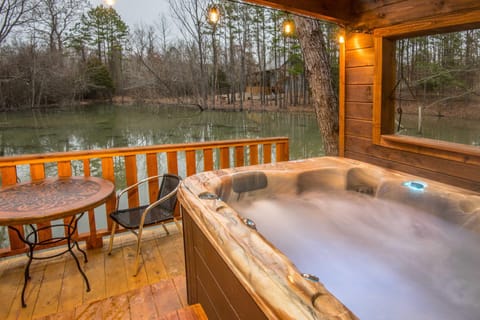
(160, 301)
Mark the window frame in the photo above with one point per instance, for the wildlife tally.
(383, 133)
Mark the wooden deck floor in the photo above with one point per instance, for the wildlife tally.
(56, 286)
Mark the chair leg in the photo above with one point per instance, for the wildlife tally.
(179, 227)
(165, 228)
(112, 235)
(139, 241)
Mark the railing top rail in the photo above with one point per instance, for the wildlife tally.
(125, 151)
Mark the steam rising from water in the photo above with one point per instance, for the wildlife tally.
(383, 260)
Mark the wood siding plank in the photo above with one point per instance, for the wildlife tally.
(359, 93)
(359, 128)
(359, 58)
(359, 75)
(359, 110)
(443, 169)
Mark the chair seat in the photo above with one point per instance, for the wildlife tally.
(130, 218)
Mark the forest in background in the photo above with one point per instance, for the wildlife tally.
(439, 75)
(55, 52)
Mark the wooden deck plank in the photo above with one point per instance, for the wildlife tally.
(116, 308)
(171, 251)
(37, 270)
(141, 304)
(11, 280)
(180, 283)
(95, 271)
(89, 311)
(152, 262)
(140, 279)
(71, 294)
(165, 297)
(115, 273)
(65, 315)
(171, 316)
(50, 288)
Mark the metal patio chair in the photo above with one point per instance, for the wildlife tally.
(160, 211)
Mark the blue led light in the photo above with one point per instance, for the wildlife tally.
(415, 185)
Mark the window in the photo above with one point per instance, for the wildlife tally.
(427, 90)
(437, 87)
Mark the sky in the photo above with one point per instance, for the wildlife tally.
(138, 11)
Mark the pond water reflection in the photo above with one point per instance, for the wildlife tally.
(110, 126)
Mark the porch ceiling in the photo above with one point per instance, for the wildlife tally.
(368, 15)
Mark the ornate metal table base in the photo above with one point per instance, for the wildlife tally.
(33, 241)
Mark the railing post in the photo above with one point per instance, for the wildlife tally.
(282, 152)
(224, 157)
(267, 153)
(191, 162)
(172, 162)
(207, 159)
(239, 156)
(152, 170)
(253, 152)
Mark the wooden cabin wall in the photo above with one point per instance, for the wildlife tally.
(358, 124)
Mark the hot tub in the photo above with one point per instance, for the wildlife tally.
(330, 238)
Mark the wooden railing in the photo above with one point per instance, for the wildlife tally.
(124, 166)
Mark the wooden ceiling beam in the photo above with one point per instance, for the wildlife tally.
(371, 14)
(337, 11)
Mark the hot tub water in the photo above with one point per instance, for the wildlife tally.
(382, 259)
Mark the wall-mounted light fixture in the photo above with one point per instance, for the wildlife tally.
(213, 14)
(288, 27)
(341, 38)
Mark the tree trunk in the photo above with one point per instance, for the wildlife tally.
(318, 73)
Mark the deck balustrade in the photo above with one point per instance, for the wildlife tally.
(125, 166)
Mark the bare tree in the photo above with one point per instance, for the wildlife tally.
(53, 18)
(13, 13)
(163, 27)
(190, 14)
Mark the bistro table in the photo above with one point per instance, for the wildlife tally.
(35, 202)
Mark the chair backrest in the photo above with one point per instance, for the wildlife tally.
(169, 183)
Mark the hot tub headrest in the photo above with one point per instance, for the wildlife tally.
(249, 181)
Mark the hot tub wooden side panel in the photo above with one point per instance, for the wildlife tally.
(209, 280)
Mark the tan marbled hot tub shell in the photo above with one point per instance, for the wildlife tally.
(269, 277)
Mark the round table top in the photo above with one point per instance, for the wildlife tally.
(51, 198)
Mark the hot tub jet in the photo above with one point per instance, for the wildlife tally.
(250, 223)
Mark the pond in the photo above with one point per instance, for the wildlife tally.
(111, 126)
